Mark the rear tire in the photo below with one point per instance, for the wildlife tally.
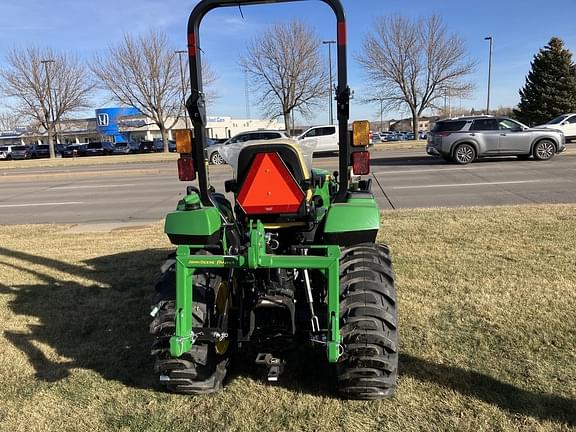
(368, 367)
(464, 154)
(202, 369)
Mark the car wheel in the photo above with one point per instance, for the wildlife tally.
(464, 154)
(216, 159)
(544, 150)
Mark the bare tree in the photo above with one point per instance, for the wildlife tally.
(25, 80)
(9, 122)
(285, 68)
(143, 72)
(415, 63)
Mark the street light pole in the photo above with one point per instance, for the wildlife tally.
(381, 110)
(329, 43)
(50, 108)
(180, 52)
(489, 38)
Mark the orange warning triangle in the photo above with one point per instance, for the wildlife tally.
(269, 187)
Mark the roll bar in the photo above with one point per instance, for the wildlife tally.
(196, 103)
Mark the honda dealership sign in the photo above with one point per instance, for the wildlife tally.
(107, 121)
(103, 120)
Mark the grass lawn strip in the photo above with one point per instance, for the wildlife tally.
(487, 299)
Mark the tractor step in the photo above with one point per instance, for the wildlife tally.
(275, 365)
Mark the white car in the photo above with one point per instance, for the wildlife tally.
(324, 137)
(5, 152)
(213, 151)
(565, 123)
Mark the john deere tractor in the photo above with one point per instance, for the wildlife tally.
(293, 257)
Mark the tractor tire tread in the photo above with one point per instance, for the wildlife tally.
(200, 370)
(368, 367)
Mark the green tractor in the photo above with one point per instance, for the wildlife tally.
(293, 258)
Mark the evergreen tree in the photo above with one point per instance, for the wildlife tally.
(550, 88)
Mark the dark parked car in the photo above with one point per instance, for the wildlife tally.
(74, 150)
(99, 148)
(24, 152)
(159, 146)
(464, 139)
(43, 150)
(33, 151)
(126, 148)
(213, 141)
(146, 146)
(59, 149)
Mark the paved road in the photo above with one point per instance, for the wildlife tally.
(144, 192)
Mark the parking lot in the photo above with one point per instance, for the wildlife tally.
(143, 192)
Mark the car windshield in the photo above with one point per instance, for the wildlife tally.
(3, 148)
(558, 119)
(508, 124)
(21, 147)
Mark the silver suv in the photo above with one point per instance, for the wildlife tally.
(464, 139)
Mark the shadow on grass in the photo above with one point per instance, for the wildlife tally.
(105, 329)
(102, 327)
(306, 370)
(483, 387)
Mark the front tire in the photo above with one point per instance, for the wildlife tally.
(203, 368)
(464, 154)
(544, 150)
(368, 367)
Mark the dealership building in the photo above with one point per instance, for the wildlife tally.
(120, 125)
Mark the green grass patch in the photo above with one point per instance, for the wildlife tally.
(488, 336)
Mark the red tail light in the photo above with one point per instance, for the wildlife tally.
(361, 162)
(186, 169)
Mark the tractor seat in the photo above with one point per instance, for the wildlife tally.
(272, 181)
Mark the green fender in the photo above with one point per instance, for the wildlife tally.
(193, 224)
(355, 221)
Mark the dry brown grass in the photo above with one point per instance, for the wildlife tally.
(91, 160)
(487, 300)
(400, 145)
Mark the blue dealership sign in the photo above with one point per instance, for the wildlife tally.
(107, 120)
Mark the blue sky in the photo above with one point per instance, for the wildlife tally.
(519, 28)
